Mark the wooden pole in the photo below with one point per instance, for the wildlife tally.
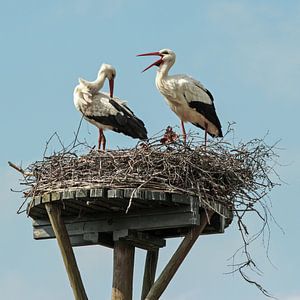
(59, 228)
(149, 272)
(123, 271)
(169, 271)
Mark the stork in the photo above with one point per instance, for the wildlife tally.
(187, 97)
(105, 111)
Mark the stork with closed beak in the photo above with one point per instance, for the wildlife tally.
(105, 111)
(187, 97)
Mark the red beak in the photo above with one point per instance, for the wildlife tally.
(111, 88)
(156, 63)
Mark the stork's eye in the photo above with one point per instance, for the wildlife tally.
(165, 52)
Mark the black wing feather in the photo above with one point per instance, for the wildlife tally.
(208, 111)
(123, 122)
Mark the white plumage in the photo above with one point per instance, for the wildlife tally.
(187, 97)
(104, 111)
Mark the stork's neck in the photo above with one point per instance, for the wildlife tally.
(163, 70)
(99, 82)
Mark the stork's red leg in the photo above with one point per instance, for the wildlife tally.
(103, 141)
(205, 135)
(100, 138)
(183, 132)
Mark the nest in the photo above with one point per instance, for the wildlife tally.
(217, 172)
(237, 176)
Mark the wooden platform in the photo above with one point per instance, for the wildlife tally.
(98, 216)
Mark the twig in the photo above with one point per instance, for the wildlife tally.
(19, 169)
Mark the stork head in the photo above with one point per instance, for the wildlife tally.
(167, 56)
(110, 73)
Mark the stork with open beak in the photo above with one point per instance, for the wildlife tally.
(105, 111)
(187, 97)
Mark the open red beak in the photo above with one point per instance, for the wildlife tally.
(156, 63)
(111, 88)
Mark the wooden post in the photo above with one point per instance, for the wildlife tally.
(123, 271)
(149, 272)
(169, 271)
(59, 228)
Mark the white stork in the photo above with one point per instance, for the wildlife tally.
(104, 111)
(187, 97)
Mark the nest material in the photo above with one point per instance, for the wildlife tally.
(218, 172)
(239, 177)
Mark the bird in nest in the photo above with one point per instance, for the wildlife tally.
(104, 110)
(186, 96)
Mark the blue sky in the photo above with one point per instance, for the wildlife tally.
(247, 53)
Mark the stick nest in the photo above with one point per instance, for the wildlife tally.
(237, 176)
(218, 172)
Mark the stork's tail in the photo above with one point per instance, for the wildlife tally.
(135, 128)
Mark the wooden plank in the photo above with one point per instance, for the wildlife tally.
(80, 206)
(98, 193)
(55, 196)
(155, 195)
(150, 220)
(134, 193)
(74, 207)
(46, 198)
(116, 200)
(67, 253)
(97, 207)
(123, 271)
(36, 211)
(82, 193)
(143, 240)
(79, 241)
(92, 239)
(68, 210)
(36, 200)
(174, 263)
(115, 193)
(183, 199)
(148, 199)
(149, 271)
(68, 194)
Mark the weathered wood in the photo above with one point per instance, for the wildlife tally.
(68, 194)
(102, 239)
(82, 193)
(183, 199)
(169, 271)
(149, 271)
(54, 213)
(123, 271)
(55, 196)
(46, 198)
(98, 193)
(80, 201)
(155, 195)
(149, 220)
(143, 240)
(96, 216)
